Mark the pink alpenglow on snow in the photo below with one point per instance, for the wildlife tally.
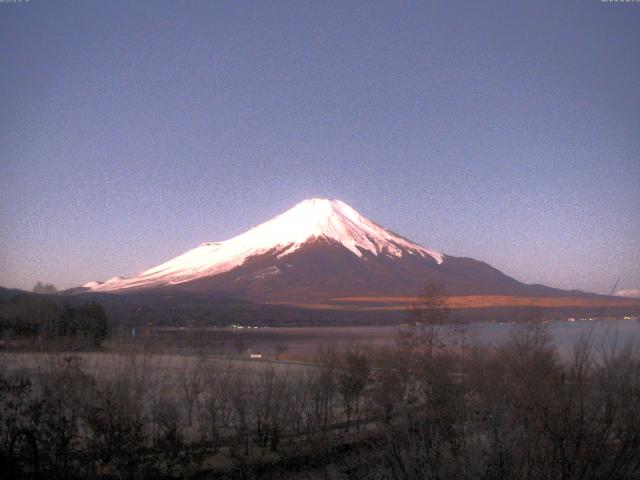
(309, 220)
(632, 293)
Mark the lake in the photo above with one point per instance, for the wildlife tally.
(304, 342)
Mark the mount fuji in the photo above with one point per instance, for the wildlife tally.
(318, 251)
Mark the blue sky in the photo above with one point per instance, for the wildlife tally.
(503, 131)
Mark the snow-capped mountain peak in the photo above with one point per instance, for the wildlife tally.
(310, 220)
(631, 293)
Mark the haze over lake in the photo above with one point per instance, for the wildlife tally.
(304, 342)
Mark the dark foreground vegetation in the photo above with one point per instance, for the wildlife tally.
(424, 409)
(27, 320)
(430, 407)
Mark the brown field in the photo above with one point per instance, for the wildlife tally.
(464, 301)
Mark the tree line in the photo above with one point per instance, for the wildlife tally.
(30, 318)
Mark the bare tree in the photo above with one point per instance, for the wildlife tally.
(271, 403)
(323, 385)
(240, 391)
(390, 380)
(214, 402)
(191, 384)
(117, 429)
(425, 329)
(353, 376)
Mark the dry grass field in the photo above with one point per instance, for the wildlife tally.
(395, 303)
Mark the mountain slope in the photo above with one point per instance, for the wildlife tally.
(312, 220)
(321, 249)
(632, 293)
(323, 270)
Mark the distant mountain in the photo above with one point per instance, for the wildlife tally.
(633, 293)
(316, 251)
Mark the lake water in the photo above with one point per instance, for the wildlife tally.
(304, 342)
(612, 333)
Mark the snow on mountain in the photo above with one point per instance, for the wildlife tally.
(310, 220)
(633, 293)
